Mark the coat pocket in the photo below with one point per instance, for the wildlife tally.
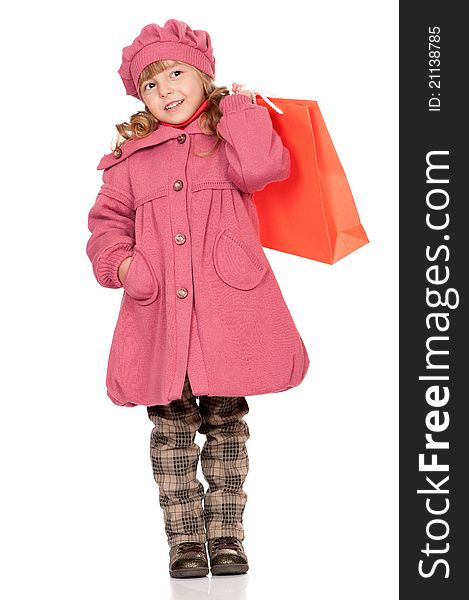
(237, 265)
(141, 282)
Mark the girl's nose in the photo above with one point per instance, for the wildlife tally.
(164, 92)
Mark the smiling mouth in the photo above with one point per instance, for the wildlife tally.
(173, 105)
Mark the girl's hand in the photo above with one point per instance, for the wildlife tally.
(123, 268)
(236, 87)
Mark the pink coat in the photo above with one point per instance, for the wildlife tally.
(200, 294)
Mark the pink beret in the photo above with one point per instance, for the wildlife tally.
(175, 41)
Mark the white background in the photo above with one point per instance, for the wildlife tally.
(80, 513)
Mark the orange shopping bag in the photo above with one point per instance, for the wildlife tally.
(312, 213)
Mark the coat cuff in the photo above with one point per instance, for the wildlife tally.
(107, 268)
(234, 102)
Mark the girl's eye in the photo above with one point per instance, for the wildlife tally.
(151, 83)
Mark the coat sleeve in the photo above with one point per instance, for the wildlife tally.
(254, 149)
(111, 222)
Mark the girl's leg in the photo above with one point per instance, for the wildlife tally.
(225, 464)
(174, 457)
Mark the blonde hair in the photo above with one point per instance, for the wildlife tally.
(143, 122)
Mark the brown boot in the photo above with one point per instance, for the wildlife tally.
(188, 559)
(227, 556)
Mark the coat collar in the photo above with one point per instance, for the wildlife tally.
(159, 136)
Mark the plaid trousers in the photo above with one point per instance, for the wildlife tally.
(224, 461)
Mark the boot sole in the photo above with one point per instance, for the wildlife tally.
(234, 569)
(194, 572)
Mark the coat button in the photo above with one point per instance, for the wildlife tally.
(181, 138)
(178, 185)
(180, 238)
(182, 293)
(117, 152)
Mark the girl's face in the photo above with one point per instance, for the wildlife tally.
(179, 82)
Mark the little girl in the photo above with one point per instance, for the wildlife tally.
(202, 315)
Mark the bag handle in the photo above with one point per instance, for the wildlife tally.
(263, 95)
